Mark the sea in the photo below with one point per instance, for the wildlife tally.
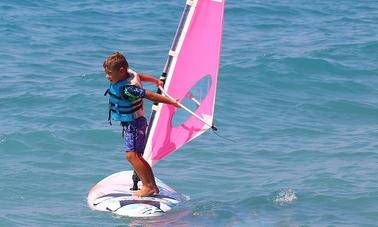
(297, 105)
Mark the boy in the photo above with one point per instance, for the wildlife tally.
(126, 105)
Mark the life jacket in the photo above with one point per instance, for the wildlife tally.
(123, 108)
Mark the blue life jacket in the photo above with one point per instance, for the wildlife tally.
(122, 108)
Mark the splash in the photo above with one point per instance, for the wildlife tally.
(285, 196)
(2, 139)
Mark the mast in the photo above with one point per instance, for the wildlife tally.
(171, 60)
(173, 52)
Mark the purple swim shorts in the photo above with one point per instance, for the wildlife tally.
(134, 134)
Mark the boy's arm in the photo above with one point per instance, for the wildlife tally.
(160, 98)
(148, 78)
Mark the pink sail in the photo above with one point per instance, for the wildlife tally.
(194, 59)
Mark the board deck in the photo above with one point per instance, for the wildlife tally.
(113, 194)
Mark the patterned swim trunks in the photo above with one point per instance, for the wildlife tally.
(134, 134)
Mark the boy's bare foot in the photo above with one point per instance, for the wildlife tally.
(146, 191)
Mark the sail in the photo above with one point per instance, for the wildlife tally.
(190, 75)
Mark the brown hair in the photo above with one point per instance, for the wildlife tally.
(115, 61)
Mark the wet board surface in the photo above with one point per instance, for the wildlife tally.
(113, 194)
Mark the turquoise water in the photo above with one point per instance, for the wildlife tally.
(297, 92)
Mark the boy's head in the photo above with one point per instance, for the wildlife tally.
(115, 67)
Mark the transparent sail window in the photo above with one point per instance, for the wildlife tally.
(192, 100)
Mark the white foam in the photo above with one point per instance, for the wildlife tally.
(2, 139)
(285, 196)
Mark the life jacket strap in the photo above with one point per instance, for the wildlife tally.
(132, 105)
(106, 92)
(126, 112)
(110, 115)
(114, 95)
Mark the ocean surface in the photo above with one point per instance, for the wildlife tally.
(297, 92)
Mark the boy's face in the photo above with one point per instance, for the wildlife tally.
(114, 75)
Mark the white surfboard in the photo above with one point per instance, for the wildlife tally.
(113, 194)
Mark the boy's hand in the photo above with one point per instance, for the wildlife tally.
(159, 83)
(176, 103)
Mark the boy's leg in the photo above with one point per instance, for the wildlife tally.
(144, 171)
(134, 135)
